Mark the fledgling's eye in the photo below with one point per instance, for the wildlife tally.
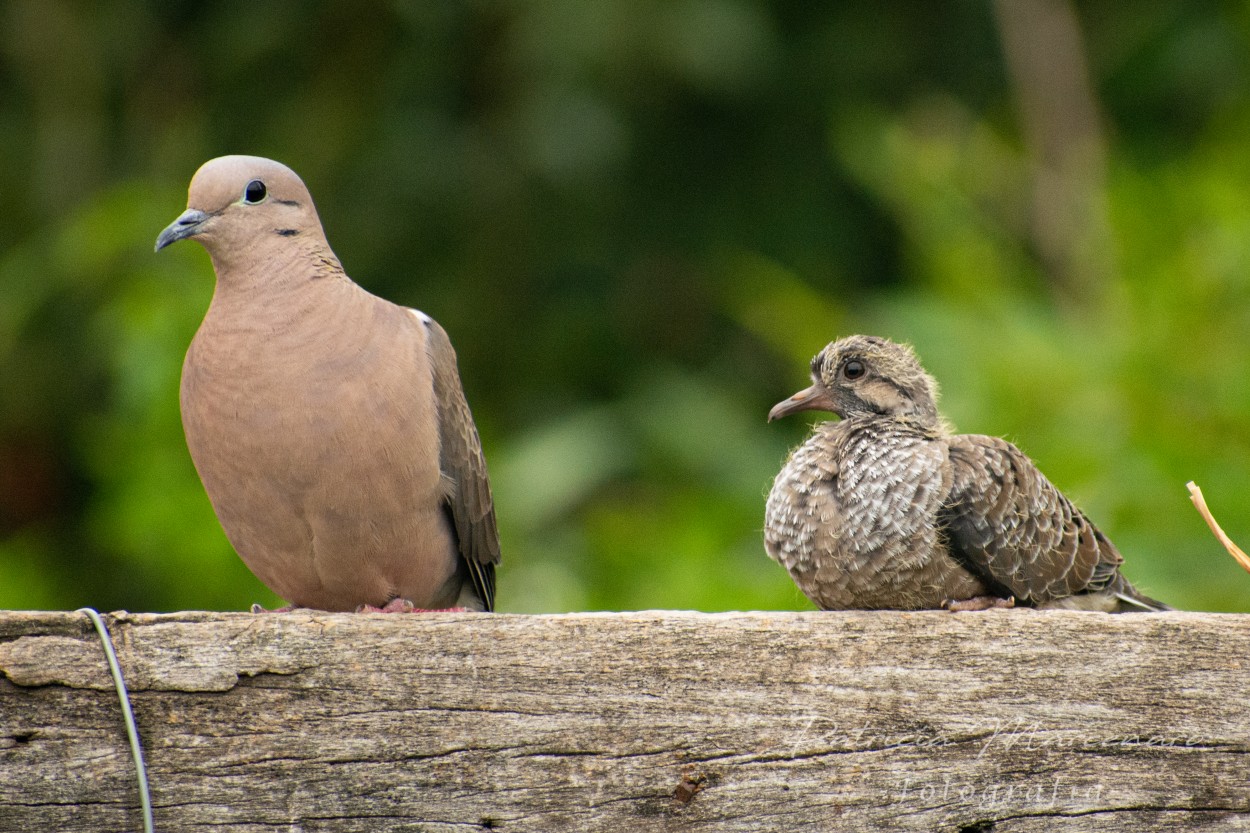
(254, 192)
(853, 369)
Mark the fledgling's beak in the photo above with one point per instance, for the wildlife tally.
(814, 398)
(188, 224)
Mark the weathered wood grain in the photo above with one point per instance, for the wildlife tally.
(1009, 721)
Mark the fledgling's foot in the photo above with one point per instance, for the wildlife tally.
(978, 603)
(405, 606)
(287, 609)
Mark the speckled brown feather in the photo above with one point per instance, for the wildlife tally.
(1004, 520)
(888, 509)
(853, 517)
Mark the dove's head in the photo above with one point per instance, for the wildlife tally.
(242, 206)
(866, 375)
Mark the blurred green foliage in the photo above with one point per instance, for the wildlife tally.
(638, 221)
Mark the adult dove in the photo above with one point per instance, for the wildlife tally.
(329, 426)
(887, 509)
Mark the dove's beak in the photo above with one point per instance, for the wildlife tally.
(189, 223)
(815, 398)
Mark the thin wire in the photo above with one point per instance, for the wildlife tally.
(132, 730)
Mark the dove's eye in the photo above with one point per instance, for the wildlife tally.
(853, 369)
(254, 192)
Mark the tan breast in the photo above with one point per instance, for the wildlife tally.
(314, 431)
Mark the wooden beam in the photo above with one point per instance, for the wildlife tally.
(1000, 721)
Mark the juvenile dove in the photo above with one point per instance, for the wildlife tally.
(328, 425)
(887, 509)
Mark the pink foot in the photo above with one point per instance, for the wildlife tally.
(258, 609)
(978, 603)
(405, 606)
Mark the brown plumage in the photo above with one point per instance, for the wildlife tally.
(887, 509)
(328, 425)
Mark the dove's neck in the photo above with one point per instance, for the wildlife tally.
(284, 264)
(286, 295)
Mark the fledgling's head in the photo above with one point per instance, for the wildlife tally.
(864, 375)
(242, 204)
